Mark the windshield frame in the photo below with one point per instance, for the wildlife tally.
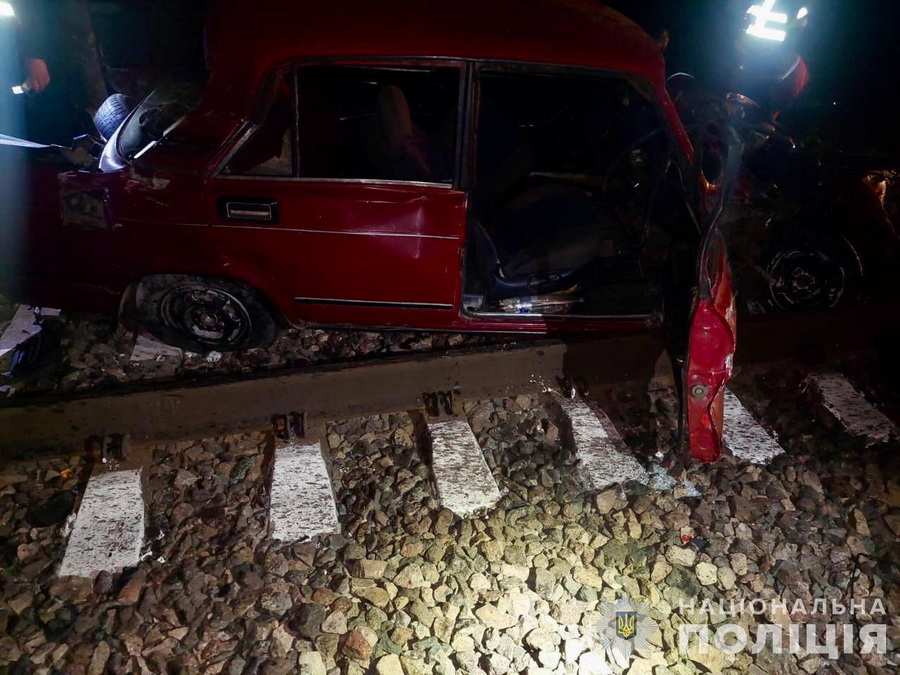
(171, 92)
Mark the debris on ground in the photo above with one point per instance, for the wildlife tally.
(96, 353)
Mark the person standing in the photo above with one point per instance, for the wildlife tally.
(63, 79)
(771, 69)
(32, 47)
(10, 72)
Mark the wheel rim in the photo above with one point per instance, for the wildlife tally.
(209, 315)
(805, 279)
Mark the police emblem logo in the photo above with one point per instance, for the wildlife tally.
(626, 628)
(626, 625)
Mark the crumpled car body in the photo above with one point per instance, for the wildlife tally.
(503, 166)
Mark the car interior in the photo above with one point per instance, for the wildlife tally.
(571, 208)
(569, 172)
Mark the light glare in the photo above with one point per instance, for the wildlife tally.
(765, 14)
(803, 13)
(6, 10)
(767, 33)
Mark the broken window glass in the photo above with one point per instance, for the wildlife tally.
(269, 152)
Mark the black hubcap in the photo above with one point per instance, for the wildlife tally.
(805, 279)
(208, 315)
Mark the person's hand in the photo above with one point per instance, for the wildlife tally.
(38, 75)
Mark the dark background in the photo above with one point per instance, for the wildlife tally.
(852, 48)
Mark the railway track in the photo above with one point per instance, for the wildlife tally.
(437, 391)
(108, 534)
(62, 423)
(469, 442)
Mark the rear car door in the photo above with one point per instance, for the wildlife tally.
(712, 328)
(346, 194)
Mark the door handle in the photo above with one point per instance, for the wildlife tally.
(248, 209)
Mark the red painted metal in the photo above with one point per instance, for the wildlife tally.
(248, 38)
(336, 240)
(711, 349)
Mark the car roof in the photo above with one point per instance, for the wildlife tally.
(248, 38)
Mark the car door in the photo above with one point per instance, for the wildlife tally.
(711, 339)
(346, 196)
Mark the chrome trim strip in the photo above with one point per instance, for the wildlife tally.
(275, 228)
(374, 303)
(593, 317)
(158, 224)
(357, 181)
(361, 233)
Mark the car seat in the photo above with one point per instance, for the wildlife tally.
(405, 144)
(539, 242)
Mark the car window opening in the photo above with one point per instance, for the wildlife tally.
(364, 123)
(567, 208)
(269, 152)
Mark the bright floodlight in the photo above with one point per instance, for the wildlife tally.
(803, 13)
(765, 15)
(6, 10)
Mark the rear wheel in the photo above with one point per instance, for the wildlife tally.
(200, 314)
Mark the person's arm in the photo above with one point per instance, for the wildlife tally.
(32, 43)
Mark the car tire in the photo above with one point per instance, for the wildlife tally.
(111, 113)
(200, 314)
(809, 270)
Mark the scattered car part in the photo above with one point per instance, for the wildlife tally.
(26, 344)
(111, 114)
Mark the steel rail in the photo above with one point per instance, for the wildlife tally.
(62, 423)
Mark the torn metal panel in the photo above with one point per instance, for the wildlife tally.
(604, 458)
(462, 478)
(302, 504)
(851, 409)
(744, 436)
(109, 528)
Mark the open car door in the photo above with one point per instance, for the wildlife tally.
(712, 328)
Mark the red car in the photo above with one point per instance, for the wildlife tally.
(508, 165)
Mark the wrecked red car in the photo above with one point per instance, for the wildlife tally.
(503, 166)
